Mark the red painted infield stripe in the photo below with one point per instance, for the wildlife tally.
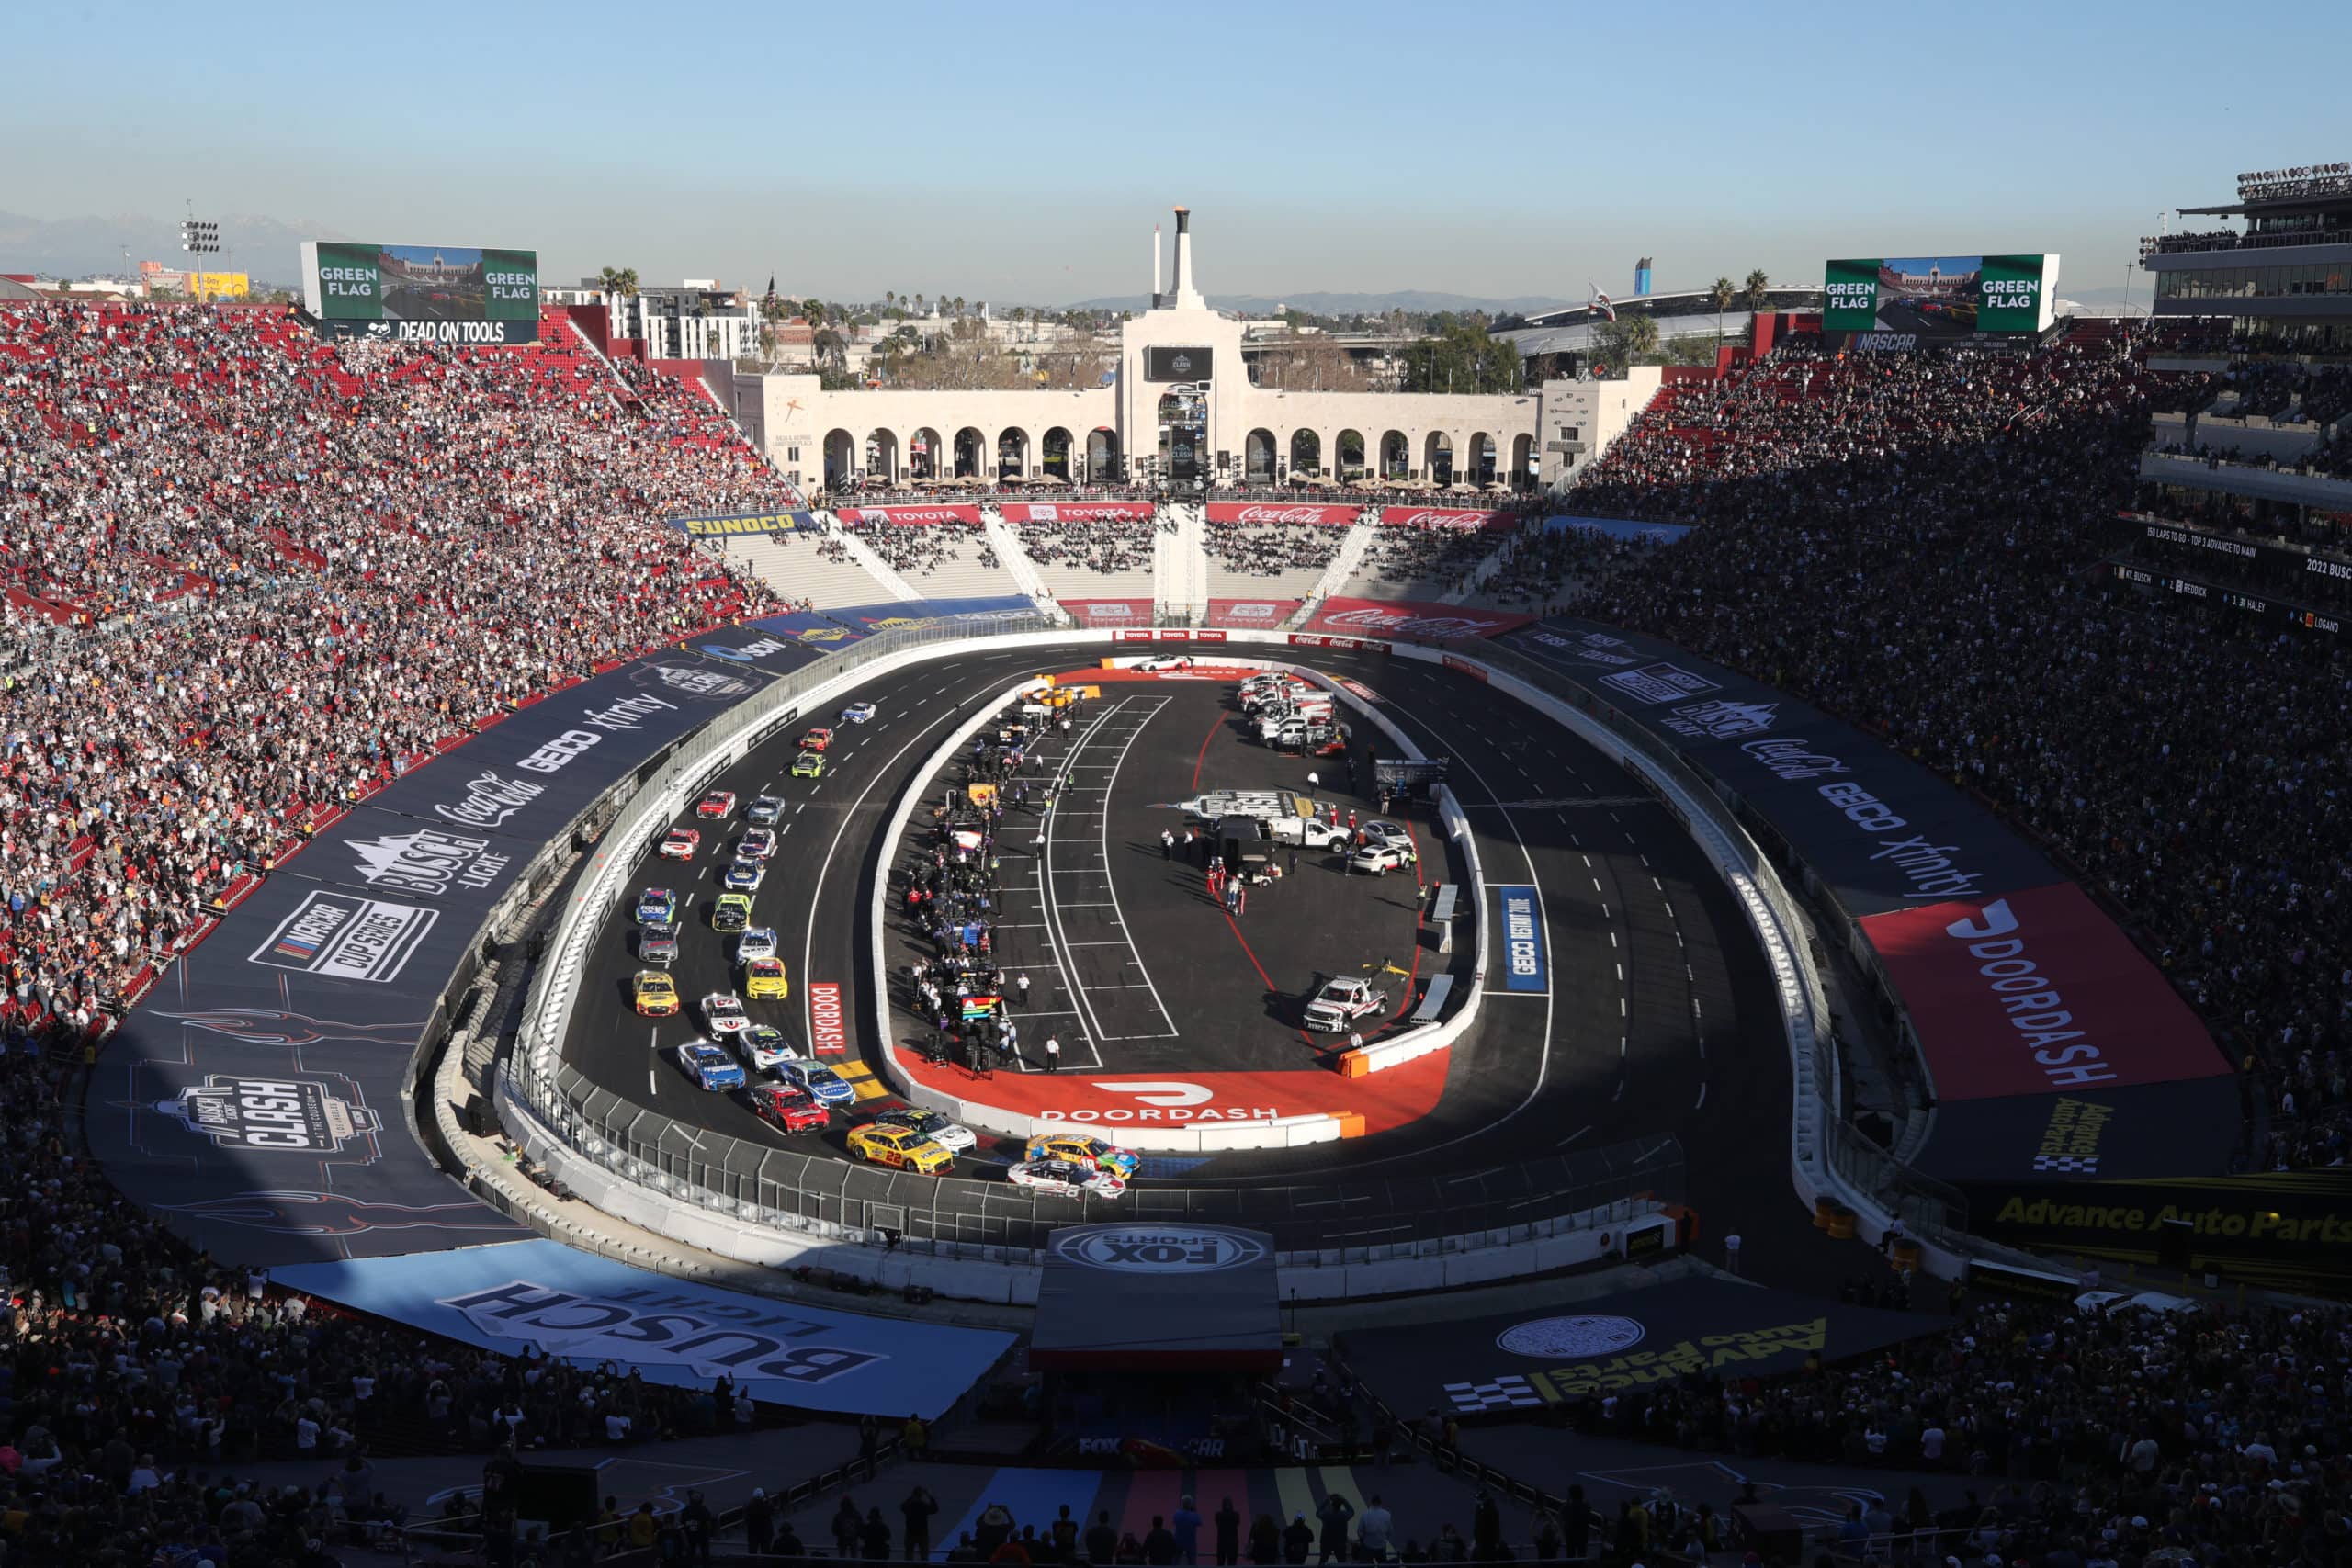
(1216, 725)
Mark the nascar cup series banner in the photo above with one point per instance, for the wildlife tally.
(459, 294)
(1904, 301)
(541, 1297)
(254, 1100)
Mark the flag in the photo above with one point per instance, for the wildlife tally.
(979, 1007)
(1599, 302)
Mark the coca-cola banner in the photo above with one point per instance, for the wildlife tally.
(1444, 517)
(2036, 992)
(1411, 620)
(858, 516)
(1252, 614)
(1109, 612)
(1270, 512)
(1074, 510)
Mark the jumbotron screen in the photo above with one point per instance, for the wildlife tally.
(422, 293)
(1932, 299)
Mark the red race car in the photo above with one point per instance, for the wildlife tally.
(788, 1107)
(718, 802)
(817, 739)
(681, 844)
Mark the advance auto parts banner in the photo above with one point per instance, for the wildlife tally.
(2281, 1228)
(542, 1297)
(254, 1100)
(1616, 1344)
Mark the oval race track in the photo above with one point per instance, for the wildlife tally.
(1658, 1018)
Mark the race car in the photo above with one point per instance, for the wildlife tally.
(710, 1067)
(766, 1049)
(1392, 835)
(1165, 662)
(743, 876)
(1069, 1180)
(681, 844)
(787, 1109)
(1379, 859)
(953, 1136)
(1073, 1147)
(654, 994)
(858, 713)
(764, 980)
(719, 805)
(757, 844)
(1342, 1003)
(732, 913)
(901, 1148)
(722, 1013)
(809, 765)
(817, 738)
(658, 944)
(657, 906)
(1334, 744)
(828, 1086)
(759, 941)
(764, 810)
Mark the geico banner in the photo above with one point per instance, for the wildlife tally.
(2266, 1228)
(858, 516)
(253, 1100)
(1017, 511)
(733, 525)
(542, 1298)
(1277, 513)
(1410, 620)
(1454, 519)
(2036, 993)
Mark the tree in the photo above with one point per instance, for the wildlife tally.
(1461, 357)
(1722, 291)
(813, 311)
(1627, 341)
(1757, 291)
(829, 348)
(958, 304)
(618, 281)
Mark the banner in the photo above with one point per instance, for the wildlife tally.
(2298, 618)
(1624, 1343)
(1409, 620)
(1018, 512)
(1178, 363)
(2282, 1229)
(730, 524)
(1153, 1293)
(1522, 928)
(1274, 513)
(1109, 612)
(1252, 614)
(380, 288)
(1617, 528)
(2159, 1129)
(865, 618)
(2036, 992)
(1453, 519)
(542, 1298)
(967, 514)
(254, 1100)
(1911, 299)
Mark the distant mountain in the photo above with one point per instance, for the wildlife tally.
(77, 247)
(1420, 301)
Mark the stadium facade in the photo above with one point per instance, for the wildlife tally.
(2284, 280)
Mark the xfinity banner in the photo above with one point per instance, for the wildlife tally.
(254, 1100)
(542, 1298)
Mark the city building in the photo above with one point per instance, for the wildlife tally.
(697, 319)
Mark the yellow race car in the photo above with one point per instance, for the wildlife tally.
(902, 1148)
(764, 980)
(655, 994)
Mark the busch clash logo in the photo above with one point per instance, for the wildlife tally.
(429, 862)
(1720, 720)
(284, 1116)
(653, 1326)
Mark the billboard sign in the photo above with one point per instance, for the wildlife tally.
(1176, 364)
(1904, 301)
(461, 294)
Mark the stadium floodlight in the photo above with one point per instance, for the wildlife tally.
(199, 237)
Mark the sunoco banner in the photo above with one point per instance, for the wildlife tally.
(254, 1100)
(734, 525)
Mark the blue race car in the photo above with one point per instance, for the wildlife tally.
(858, 712)
(744, 876)
(710, 1067)
(824, 1085)
(657, 906)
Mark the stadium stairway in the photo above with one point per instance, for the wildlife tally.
(1006, 540)
(1179, 564)
(894, 586)
(791, 566)
(1344, 565)
(961, 573)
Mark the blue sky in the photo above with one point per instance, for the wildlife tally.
(1022, 152)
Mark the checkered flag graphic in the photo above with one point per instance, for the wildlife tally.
(1508, 1392)
(2087, 1165)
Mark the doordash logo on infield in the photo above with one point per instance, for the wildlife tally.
(1166, 1101)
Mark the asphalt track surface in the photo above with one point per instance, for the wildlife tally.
(1659, 1016)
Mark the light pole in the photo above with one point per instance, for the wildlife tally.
(199, 239)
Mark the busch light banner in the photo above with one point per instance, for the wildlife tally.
(541, 1297)
(254, 1098)
(739, 524)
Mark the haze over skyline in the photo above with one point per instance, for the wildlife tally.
(1023, 155)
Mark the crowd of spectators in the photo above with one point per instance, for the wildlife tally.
(251, 573)
(919, 547)
(1260, 549)
(1884, 535)
(1428, 558)
(1096, 544)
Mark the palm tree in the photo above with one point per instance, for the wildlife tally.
(828, 347)
(1722, 291)
(1757, 291)
(618, 281)
(957, 305)
(813, 311)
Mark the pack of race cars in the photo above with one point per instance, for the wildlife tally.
(786, 1087)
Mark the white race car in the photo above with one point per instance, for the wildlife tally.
(1061, 1176)
(723, 1013)
(1165, 662)
(953, 1136)
(1342, 1003)
(757, 942)
(766, 1049)
(759, 843)
(858, 712)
